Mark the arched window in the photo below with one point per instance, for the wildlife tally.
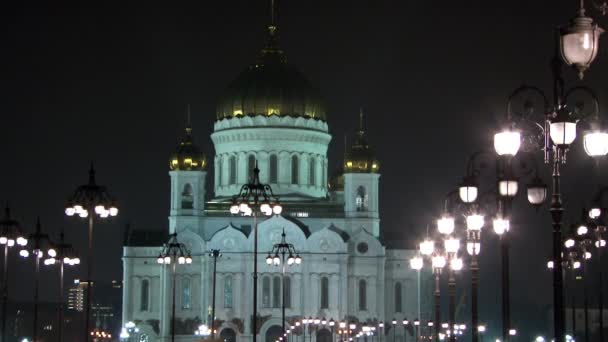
(250, 167)
(287, 292)
(228, 292)
(276, 292)
(228, 335)
(324, 293)
(266, 292)
(274, 169)
(311, 171)
(362, 295)
(232, 171)
(398, 298)
(145, 295)
(295, 172)
(186, 294)
(187, 197)
(361, 199)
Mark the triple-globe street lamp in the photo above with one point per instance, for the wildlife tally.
(11, 236)
(174, 253)
(64, 254)
(39, 244)
(283, 254)
(254, 199)
(90, 201)
(214, 253)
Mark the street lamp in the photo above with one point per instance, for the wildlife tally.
(90, 200)
(214, 253)
(10, 235)
(438, 262)
(579, 41)
(255, 198)
(282, 249)
(35, 249)
(174, 253)
(63, 254)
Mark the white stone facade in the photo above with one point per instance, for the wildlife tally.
(346, 273)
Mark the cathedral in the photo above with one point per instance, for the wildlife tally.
(273, 118)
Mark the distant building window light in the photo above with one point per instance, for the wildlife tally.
(301, 214)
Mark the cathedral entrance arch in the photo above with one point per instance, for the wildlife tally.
(228, 335)
(273, 333)
(323, 335)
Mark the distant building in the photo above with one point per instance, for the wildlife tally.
(76, 295)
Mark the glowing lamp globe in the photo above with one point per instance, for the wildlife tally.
(416, 263)
(445, 225)
(473, 248)
(452, 245)
(600, 243)
(595, 213)
(456, 264)
(569, 243)
(427, 247)
(582, 230)
(501, 226)
(562, 128)
(579, 42)
(277, 209)
(508, 187)
(438, 261)
(468, 191)
(537, 192)
(475, 222)
(596, 144)
(507, 142)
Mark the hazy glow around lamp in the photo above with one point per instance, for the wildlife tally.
(475, 222)
(596, 143)
(537, 192)
(445, 225)
(562, 129)
(427, 247)
(507, 142)
(501, 226)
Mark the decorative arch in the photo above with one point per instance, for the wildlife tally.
(232, 170)
(295, 169)
(361, 198)
(373, 245)
(398, 297)
(326, 240)
(193, 241)
(270, 233)
(273, 172)
(228, 239)
(250, 166)
(324, 335)
(228, 335)
(270, 324)
(312, 170)
(144, 292)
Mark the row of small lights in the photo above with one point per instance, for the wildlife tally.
(103, 211)
(266, 208)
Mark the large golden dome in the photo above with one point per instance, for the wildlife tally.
(271, 87)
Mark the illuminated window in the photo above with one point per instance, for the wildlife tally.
(398, 298)
(186, 293)
(311, 171)
(228, 292)
(295, 169)
(324, 293)
(362, 295)
(276, 292)
(273, 169)
(266, 292)
(187, 197)
(250, 167)
(144, 295)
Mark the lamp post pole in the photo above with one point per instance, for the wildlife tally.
(474, 299)
(214, 253)
(437, 295)
(255, 197)
(173, 253)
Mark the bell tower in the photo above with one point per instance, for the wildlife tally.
(187, 171)
(361, 177)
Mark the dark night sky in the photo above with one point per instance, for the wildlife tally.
(109, 82)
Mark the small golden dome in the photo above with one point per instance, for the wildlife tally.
(188, 156)
(361, 158)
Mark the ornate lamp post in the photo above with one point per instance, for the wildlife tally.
(214, 253)
(63, 255)
(88, 201)
(10, 235)
(452, 245)
(277, 257)
(37, 240)
(475, 223)
(173, 253)
(253, 199)
(438, 263)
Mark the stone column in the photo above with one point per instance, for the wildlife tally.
(127, 292)
(167, 297)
